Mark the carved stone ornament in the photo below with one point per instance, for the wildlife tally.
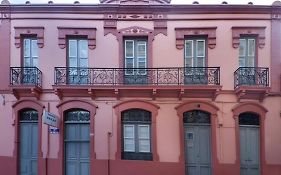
(29, 31)
(256, 31)
(90, 33)
(210, 32)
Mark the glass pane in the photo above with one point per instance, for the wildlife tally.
(200, 62)
(129, 63)
(251, 47)
(70, 150)
(129, 145)
(188, 62)
(35, 62)
(242, 47)
(196, 116)
(84, 150)
(34, 48)
(142, 65)
(249, 119)
(84, 131)
(251, 62)
(144, 132)
(241, 62)
(27, 62)
(72, 62)
(129, 131)
(26, 47)
(141, 49)
(72, 46)
(129, 48)
(83, 48)
(71, 132)
(83, 62)
(188, 48)
(144, 145)
(201, 48)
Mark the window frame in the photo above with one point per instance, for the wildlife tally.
(246, 58)
(31, 57)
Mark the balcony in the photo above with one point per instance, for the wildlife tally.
(140, 82)
(251, 82)
(26, 81)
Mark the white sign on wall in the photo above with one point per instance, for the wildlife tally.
(50, 119)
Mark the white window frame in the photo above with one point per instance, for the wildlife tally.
(148, 138)
(133, 138)
(30, 56)
(127, 57)
(145, 57)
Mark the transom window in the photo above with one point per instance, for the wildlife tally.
(247, 52)
(249, 119)
(195, 52)
(136, 141)
(196, 117)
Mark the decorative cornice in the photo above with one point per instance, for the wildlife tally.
(257, 31)
(210, 32)
(29, 31)
(90, 33)
(135, 2)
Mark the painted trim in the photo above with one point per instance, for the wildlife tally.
(29, 31)
(17, 107)
(76, 104)
(261, 112)
(65, 32)
(139, 104)
(207, 107)
(210, 32)
(237, 31)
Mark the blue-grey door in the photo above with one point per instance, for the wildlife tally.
(249, 144)
(28, 151)
(77, 143)
(197, 135)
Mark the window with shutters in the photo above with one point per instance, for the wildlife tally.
(136, 141)
(135, 61)
(78, 72)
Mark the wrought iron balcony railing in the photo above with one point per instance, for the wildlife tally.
(251, 76)
(25, 76)
(137, 76)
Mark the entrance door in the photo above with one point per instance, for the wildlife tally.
(28, 142)
(249, 144)
(197, 133)
(77, 143)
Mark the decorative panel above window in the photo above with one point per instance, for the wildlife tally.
(258, 32)
(89, 33)
(209, 32)
(36, 32)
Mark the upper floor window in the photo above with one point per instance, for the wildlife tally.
(195, 52)
(30, 52)
(78, 72)
(136, 141)
(135, 61)
(247, 52)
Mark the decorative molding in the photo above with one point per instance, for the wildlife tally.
(159, 22)
(210, 32)
(29, 31)
(257, 31)
(90, 33)
(136, 2)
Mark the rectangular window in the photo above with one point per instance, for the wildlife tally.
(136, 139)
(78, 61)
(194, 61)
(247, 52)
(30, 52)
(135, 61)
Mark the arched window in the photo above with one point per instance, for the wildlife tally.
(136, 134)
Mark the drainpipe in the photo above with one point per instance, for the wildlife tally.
(109, 134)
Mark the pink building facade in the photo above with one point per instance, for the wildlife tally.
(140, 87)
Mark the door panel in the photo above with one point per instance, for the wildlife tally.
(28, 148)
(197, 149)
(249, 150)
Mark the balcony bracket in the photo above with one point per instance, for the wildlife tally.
(91, 93)
(216, 93)
(116, 92)
(181, 93)
(58, 93)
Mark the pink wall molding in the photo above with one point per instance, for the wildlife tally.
(20, 32)
(210, 32)
(257, 31)
(65, 32)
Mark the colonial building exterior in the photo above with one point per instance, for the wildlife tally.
(140, 87)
